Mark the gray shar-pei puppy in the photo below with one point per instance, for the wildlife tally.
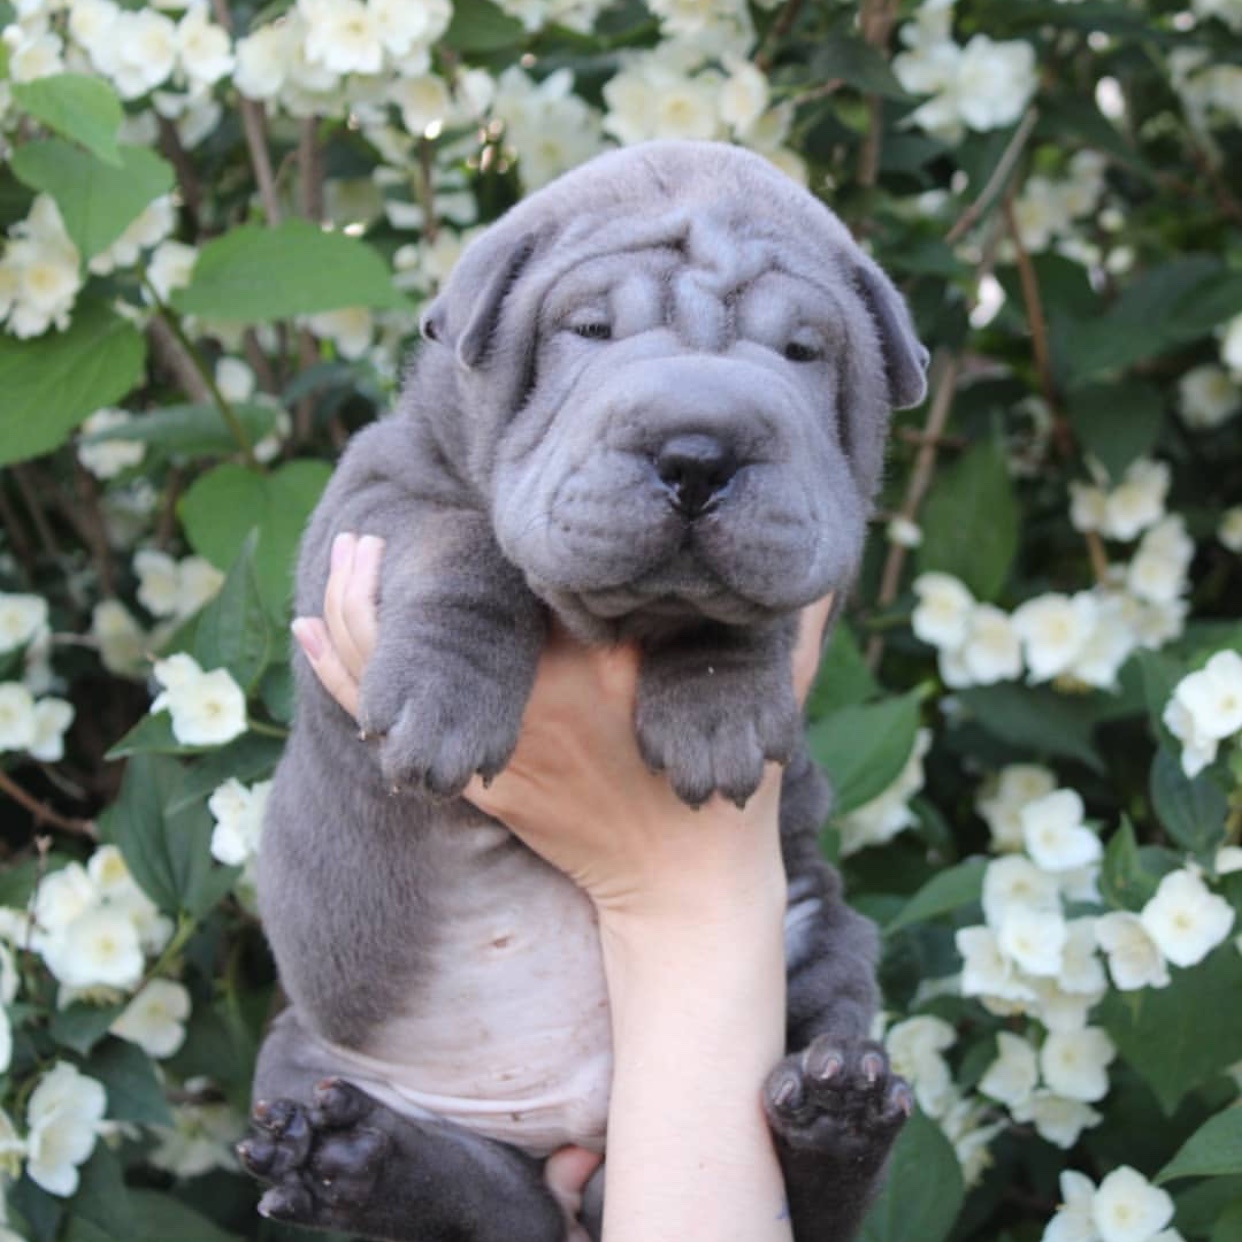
(653, 403)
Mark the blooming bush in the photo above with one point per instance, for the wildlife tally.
(220, 221)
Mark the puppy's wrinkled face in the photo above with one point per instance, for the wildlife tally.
(681, 449)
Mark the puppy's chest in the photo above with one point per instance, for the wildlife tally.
(508, 1029)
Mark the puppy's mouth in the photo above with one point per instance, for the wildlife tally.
(680, 591)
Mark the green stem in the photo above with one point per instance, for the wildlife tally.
(234, 424)
(264, 729)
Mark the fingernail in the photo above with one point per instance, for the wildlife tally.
(308, 637)
(340, 549)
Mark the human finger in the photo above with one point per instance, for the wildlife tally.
(312, 636)
(349, 599)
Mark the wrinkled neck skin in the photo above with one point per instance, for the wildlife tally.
(710, 336)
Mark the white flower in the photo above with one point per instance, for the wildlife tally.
(1000, 804)
(1228, 860)
(1213, 696)
(942, 616)
(915, 1048)
(238, 813)
(402, 26)
(1134, 958)
(99, 948)
(424, 101)
(1088, 506)
(1054, 629)
(986, 971)
(1012, 1076)
(138, 51)
(115, 885)
(1075, 1063)
(1062, 1010)
(1109, 644)
(22, 618)
(40, 273)
(62, 1120)
(207, 708)
(1138, 501)
(1185, 919)
(994, 82)
(1198, 749)
(1128, 1208)
(1033, 939)
(1054, 833)
(1157, 571)
(203, 48)
(1230, 530)
(52, 717)
(265, 60)
(157, 582)
(171, 267)
(234, 379)
(1017, 882)
(201, 1140)
(1082, 972)
(990, 652)
(18, 726)
(122, 641)
(342, 36)
(1208, 396)
(155, 1018)
(1073, 1222)
(62, 896)
(198, 581)
(108, 458)
(1059, 1120)
(351, 330)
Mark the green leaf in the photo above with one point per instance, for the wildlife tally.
(222, 507)
(1192, 812)
(1214, 1149)
(134, 1091)
(1154, 314)
(970, 522)
(81, 1026)
(234, 631)
(1130, 876)
(254, 273)
(51, 384)
(1201, 1203)
(1180, 1036)
(1032, 718)
(1228, 1227)
(945, 891)
(76, 106)
(161, 1218)
(856, 63)
(102, 1202)
(479, 26)
(192, 430)
(843, 677)
(96, 200)
(1117, 423)
(923, 1192)
(168, 852)
(864, 747)
(250, 757)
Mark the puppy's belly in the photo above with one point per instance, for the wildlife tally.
(509, 1032)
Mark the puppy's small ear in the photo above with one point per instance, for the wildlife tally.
(484, 314)
(431, 323)
(905, 357)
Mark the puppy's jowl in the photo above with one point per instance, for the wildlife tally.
(653, 402)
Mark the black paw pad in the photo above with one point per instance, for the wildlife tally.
(319, 1161)
(838, 1097)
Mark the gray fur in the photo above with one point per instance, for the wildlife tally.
(527, 470)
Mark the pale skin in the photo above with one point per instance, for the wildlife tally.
(691, 906)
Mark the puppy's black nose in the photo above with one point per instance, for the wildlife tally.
(695, 468)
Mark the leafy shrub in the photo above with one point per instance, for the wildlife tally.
(221, 222)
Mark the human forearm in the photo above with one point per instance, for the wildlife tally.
(698, 1022)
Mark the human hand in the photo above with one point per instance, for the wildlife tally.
(576, 789)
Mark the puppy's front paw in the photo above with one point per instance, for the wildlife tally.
(437, 729)
(711, 746)
(840, 1099)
